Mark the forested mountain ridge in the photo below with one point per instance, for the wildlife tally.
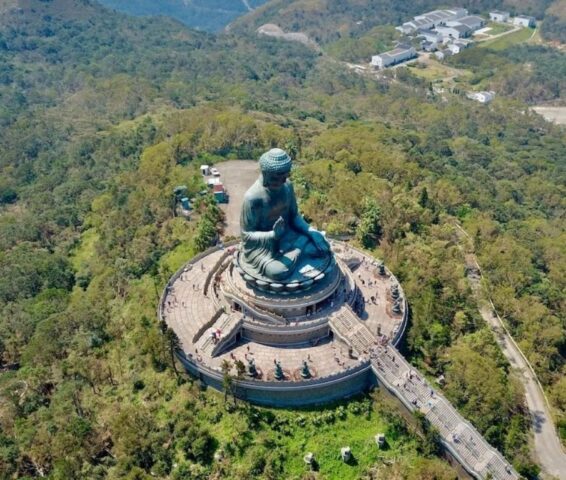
(102, 115)
(210, 15)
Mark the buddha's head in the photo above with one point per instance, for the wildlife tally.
(275, 168)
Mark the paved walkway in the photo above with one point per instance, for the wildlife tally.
(412, 389)
(548, 447)
(326, 358)
(374, 290)
(194, 316)
(183, 313)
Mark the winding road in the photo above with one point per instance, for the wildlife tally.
(548, 449)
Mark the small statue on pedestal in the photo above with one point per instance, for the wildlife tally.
(305, 372)
(395, 291)
(279, 374)
(252, 370)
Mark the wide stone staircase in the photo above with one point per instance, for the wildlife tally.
(228, 325)
(459, 437)
(351, 330)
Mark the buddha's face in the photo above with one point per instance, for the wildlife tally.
(274, 181)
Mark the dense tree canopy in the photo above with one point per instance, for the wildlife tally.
(103, 116)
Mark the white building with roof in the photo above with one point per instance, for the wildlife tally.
(524, 21)
(458, 12)
(499, 16)
(442, 54)
(473, 22)
(432, 19)
(482, 97)
(455, 31)
(430, 35)
(393, 57)
(429, 46)
(436, 16)
(414, 25)
(457, 47)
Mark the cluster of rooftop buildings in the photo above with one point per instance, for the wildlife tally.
(449, 28)
(439, 28)
(444, 32)
(505, 17)
(456, 19)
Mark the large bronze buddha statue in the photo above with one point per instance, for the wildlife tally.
(278, 245)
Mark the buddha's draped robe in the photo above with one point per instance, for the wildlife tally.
(260, 211)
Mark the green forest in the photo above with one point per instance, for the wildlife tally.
(102, 115)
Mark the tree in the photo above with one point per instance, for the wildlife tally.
(240, 369)
(2, 350)
(227, 380)
(174, 344)
(369, 228)
(423, 198)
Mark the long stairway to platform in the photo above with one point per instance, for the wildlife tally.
(461, 439)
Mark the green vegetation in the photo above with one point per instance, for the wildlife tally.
(532, 73)
(273, 442)
(509, 40)
(435, 71)
(496, 28)
(360, 49)
(554, 25)
(102, 116)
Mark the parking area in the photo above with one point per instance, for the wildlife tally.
(237, 176)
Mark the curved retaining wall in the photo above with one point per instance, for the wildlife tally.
(290, 394)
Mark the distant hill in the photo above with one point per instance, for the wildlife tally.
(329, 20)
(209, 15)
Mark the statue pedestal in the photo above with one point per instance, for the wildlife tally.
(307, 273)
(302, 296)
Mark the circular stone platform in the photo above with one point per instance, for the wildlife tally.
(219, 316)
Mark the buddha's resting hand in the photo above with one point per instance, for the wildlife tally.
(319, 241)
(278, 228)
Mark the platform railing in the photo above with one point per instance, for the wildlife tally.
(280, 385)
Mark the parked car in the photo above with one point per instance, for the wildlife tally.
(215, 172)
